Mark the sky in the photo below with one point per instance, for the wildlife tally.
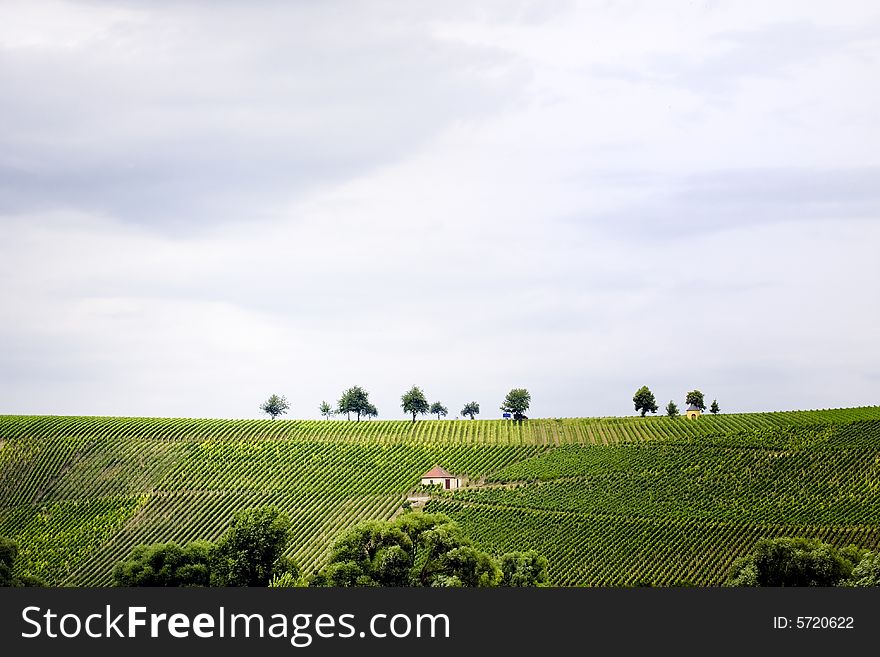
(205, 203)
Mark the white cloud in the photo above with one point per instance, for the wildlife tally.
(207, 205)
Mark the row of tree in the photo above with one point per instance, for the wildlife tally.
(646, 403)
(416, 549)
(356, 401)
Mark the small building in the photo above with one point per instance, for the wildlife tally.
(440, 477)
(692, 412)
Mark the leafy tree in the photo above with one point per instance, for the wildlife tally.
(866, 572)
(517, 402)
(370, 411)
(714, 409)
(695, 397)
(326, 410)
(248, 553)
(275, 406)
(671, 409)
(8, 554)
(418, 549)
(523, 569)
(438, 409)
(793, 562)
(8, 574)
(413, 401)
(166, 564)
(471, 408)
(355, 400)
(644, 401)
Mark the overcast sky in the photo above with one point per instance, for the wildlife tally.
(203, 203)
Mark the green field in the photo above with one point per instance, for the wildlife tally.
(609, 501)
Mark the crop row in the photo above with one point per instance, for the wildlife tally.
(595, 550)
(191, 489)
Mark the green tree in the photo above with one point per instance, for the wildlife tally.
(418, 549)
(275, 406)
(471, 409)
(355, 400)
(793, 562)
(370, 411)
(8, 572)
(695, 397)
(671, 409)
(326, 410)
(248, 554)
(714, 409)
(413, 401)
(438, 409)
(8, 554)
(644, 401)
(523, 569)
(866, 572)
(517, 402)
(166, 564)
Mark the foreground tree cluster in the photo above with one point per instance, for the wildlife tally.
(416, 549)
(248, 554)
(805, 562)
(421, 549)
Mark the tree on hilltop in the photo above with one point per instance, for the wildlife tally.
(413, 401)
(671, 409)
(714, 409)
(275, 406)
(355, 400)
(471, 408)
(517, 402)
(326, 410)
(695, 397)
(438, 409)
(644, 401)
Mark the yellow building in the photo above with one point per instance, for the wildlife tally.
(692, 412)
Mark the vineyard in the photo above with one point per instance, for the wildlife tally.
(609, 501)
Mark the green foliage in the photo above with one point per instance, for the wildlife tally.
(356, 400)
(247, 553)
(438, 409)
(326, 410)
(470, 410)
(414, 401)
(695, 397)
(714, 408)
(517, 401)
(9, 575)
(866, 572)
(275, 406)
(523, 569)
(8, 553)
(792, 562)
(671, 409)
(418, 549)
(166, 564)
(644, 401)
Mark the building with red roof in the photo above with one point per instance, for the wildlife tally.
(438, 476)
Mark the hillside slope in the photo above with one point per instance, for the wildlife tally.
(610, 501)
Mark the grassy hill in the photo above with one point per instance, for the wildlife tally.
(610, 501)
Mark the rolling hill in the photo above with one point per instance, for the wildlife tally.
(609, 501)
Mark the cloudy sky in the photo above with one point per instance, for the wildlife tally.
(203, 203)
